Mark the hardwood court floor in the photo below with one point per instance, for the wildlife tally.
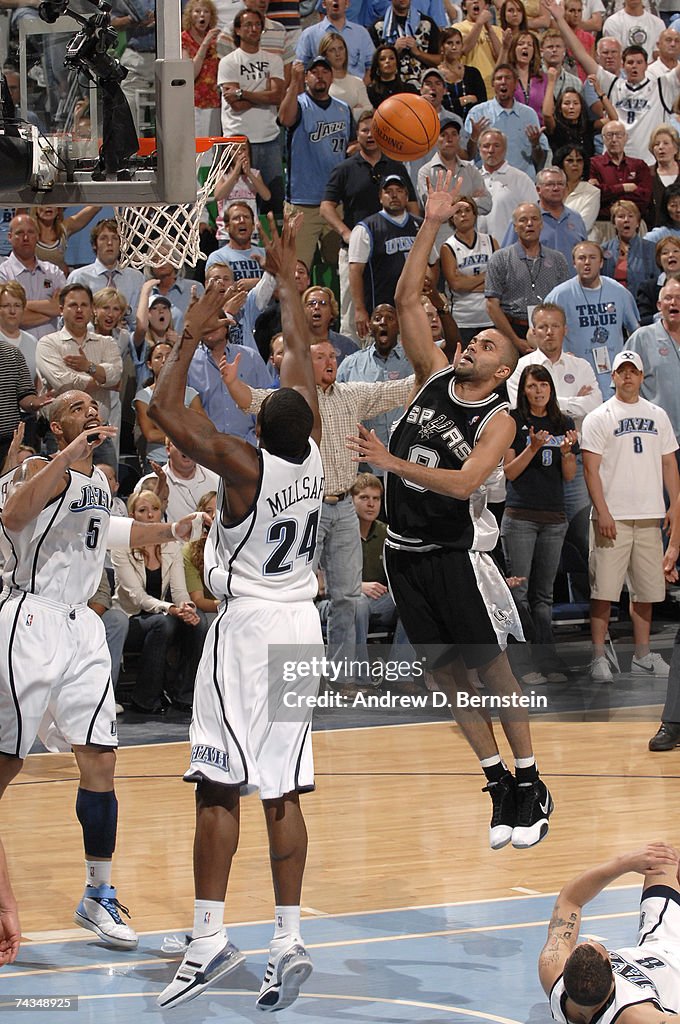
(397, 820)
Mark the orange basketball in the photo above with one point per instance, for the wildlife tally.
(405, 126)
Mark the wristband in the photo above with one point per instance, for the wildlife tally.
(196, 527)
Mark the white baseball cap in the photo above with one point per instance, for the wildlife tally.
(628, 357)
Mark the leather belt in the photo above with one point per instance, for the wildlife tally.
(333, 499)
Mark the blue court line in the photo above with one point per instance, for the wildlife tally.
(465, 961)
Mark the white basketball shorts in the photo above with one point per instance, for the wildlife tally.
(55, 676)
(251, 725)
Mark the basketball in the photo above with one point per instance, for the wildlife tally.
(405, 126)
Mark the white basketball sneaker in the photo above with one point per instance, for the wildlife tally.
(99, 911)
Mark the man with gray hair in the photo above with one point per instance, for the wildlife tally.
(562, 227)
(520, 276)
(507, 186)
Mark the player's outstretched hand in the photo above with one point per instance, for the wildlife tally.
(442, 197)
(191, 527)
(10, 934)
(280, 248)
(205, 313)
(656, 857)
(368, 447)
(84, 444)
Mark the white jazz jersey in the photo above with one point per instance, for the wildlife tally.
(269, 553)
(60, 554)
(646, 973)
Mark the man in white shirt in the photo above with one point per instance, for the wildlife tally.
(668, 48)
(179, 484)
(40, 280)
(508, 187)
(77, 359)
(252, 84)
(629, 458)
(634, 26)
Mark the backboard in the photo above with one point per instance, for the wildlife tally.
(65, 114)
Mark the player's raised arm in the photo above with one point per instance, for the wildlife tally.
(296, 367)
(192, 431)
(416, 337)
(658, 862)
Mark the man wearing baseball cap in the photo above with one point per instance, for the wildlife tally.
(629, 450)
(318, 130)
(378, 247)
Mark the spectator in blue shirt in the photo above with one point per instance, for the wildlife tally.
(359, 43)
(527, 145)
(382, 359)
(562, 227)
(205, 377)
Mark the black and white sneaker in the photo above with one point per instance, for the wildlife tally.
(205, 961)
(534, 807)
(504, 817)
(283, 977)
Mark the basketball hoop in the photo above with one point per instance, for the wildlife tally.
(170, 234)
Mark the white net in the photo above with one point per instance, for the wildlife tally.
(165, 233)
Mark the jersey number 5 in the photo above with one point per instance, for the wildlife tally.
(283, 533)
(92, 534)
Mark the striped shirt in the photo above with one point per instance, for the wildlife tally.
(342, 406)
(15, 384)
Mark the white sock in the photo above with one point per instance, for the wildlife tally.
(97, 872)
(286, 927)
(208, 918)
(489, 762)
(525, 762)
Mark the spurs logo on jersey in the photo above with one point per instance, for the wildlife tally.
(60, 554)
(269, 553)
(439, 430)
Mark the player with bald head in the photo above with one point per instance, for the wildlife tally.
(452, 599)
(55, 669)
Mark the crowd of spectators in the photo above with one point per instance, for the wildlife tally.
(562, 124)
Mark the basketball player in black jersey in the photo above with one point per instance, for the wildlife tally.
(451, 597)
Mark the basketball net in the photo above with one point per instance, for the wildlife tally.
(163, 233)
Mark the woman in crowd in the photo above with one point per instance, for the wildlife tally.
(565, 118)
(664, 145)
(199, 45)
(581, 196)
(109, 308)
(54, 231)
(464, 256)
(345, 87)
(465, 85)
(669, 215)
(154, 317)
(628, 258)
(668, 262)
(513, 17)
(193, 563)
(151, 590)
(524, 54)
(151, 444)
(534, 523)
(385, 79)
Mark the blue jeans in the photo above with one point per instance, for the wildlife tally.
(155, 633)
(338, 553)
(116, 624)
(268, 158)
(533, 550)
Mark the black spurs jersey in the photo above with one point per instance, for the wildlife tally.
(439, 430)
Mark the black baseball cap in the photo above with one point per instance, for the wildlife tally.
(319, 59)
